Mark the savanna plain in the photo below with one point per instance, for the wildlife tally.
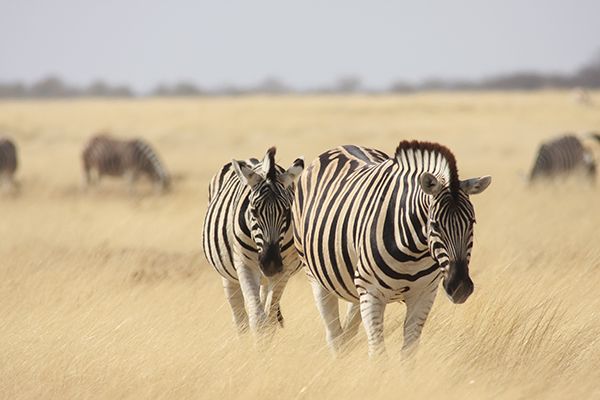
(106, 294)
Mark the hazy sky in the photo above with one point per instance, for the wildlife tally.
(305, 43)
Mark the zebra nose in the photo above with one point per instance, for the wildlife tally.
(462, 291)
(458, 283)
(270, 260)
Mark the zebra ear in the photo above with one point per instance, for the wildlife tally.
(430, 184)
(268, 162)
(475, 185)
(289, 176)
(247, 175)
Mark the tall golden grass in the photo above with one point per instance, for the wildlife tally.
(107, 295)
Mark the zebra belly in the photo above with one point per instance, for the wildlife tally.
(424, 274)
(345, 282)
(336, 283)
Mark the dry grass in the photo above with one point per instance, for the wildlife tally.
(104, 295)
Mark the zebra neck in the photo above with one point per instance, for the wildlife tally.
(415, 215)
(403, 210)
(243, 222)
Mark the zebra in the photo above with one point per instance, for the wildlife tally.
(562, 156)
(109, 156)
(8, 162)
(372, 229)
(247, 237)
(582, 96)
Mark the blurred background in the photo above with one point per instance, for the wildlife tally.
(70, 48)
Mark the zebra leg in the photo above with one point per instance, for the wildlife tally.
(264, 293)
(15, 184)
(250, 284)
(328, 306)
(87, 177)
(417, 311)
(131, 177)
(590, 165)
(233, 293)
(4, 182)
(8, 183)
(272, 307)
(372, 308)
(351, 323)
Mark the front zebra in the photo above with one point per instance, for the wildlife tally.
(374, 230)
(562, 156)
(8, 162)
(248, 237)
(132, 158)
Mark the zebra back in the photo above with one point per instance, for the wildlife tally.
(104, 154)
(359, 212)
(114, 157)
(559, 156)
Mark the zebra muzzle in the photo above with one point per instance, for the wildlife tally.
(270, 260)
(457, 282)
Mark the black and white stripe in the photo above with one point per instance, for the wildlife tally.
(373, 229)
(248, 237)
(8, 162)
(105, 155)
(562, 156)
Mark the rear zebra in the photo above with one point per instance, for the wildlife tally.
(248, 237)
(8, 162)
(373, 229)
(105, 155)
(562, 156)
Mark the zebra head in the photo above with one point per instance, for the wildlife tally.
(164, 181)
(270, 204)
(450, 230)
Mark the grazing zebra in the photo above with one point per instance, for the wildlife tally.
(248, 237)
(8, 162)
(582, 96)
(373, 229)
(106, 155)
(562, 156)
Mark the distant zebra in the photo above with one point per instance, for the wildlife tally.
(106, 155)
(248, 237)
(582, 96)
(562, 156)
(8, 162)
(373, 229)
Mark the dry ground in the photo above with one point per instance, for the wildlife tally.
(107, 295)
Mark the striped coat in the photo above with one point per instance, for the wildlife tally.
(107, 156)
(373, 229)
(562, 156)
(248, 237)
(8, 161)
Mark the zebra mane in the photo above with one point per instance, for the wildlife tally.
(272, 172)
(415, 145)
